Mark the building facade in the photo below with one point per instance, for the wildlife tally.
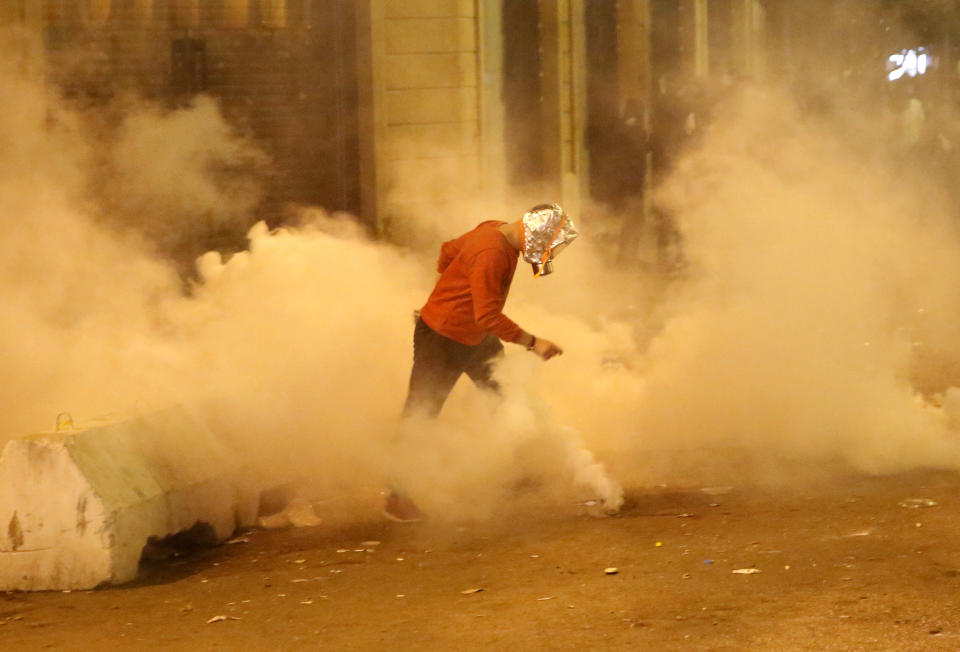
(389, 109)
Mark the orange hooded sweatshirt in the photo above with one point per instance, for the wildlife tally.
(476, 270)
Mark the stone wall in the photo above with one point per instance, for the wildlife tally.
(428, 108)
(283, 72)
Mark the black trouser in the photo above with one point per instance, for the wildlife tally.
(438, 362)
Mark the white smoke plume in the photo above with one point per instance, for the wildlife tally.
(181, 177)
(816, 305)
(817, 319)
(296, 350)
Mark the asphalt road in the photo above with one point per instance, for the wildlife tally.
(854, 563)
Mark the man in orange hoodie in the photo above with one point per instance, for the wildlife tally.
(461, 327)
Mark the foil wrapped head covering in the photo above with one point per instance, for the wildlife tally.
(547, 230)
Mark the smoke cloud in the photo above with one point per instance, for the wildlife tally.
(814, 323)
(178, 189)
(296, 350)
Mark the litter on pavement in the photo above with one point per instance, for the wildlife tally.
(913, 503)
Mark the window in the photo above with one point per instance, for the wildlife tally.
(188, 57)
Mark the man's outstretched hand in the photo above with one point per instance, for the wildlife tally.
(546, 349)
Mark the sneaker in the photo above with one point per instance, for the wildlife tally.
(400, 508)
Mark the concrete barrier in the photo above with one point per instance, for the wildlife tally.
(77, 507)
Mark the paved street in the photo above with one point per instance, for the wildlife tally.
(864, 563)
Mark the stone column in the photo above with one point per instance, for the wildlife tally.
(491, 118)
(562, 100)
(748, 30)
(26, 47)
(425, 113)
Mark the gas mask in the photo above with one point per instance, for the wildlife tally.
(547, 230)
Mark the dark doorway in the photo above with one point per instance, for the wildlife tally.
(522, 94)
(720, 37)
(603, 100)
(188, 67)
(304, 106)
(666, 42)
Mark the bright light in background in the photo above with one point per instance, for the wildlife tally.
(907, 62)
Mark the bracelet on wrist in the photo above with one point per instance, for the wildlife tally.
(533, 343)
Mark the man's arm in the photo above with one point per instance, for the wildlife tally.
(487, 275)
(540, 345)
(448, 251)
(487, 289)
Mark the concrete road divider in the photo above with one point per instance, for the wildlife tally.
(78, 506)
